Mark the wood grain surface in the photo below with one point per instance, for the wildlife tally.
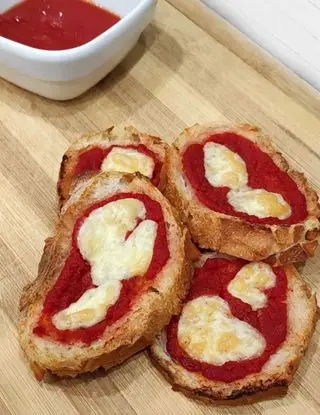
(178, 74)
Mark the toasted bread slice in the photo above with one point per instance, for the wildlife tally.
(59, 324)
(230, 229)
(277, 368)
(128, 152)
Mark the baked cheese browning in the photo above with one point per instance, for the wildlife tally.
(91, 307)
(224, 167)
(103, 240)
(208, 332)
(259, 202)
(128, 160)
(118, 243)
(250, 283)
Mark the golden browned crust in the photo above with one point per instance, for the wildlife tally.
(277, 244)
(276, 374)
(68, 181)
(251, 397)
(138, 328)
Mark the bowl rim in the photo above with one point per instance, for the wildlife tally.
(106, 37)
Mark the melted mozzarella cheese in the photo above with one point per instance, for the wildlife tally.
(90, 309)
(117, 249)
(223, 167)
(208, 332)
(128, 160)
(311, 224)
(250, 283)
(259, 202)
(102, 241)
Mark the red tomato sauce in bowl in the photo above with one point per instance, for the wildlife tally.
(55, 24)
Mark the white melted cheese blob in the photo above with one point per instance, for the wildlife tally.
(128, 160)
(259, 202)
(250, 283)
(103, 242)
(90, 309)
(223, 167)
(208, 332)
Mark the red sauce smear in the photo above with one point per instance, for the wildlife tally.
(55, 24)
(271, 321)
(263, 173)
(75, 280)
(91, 160)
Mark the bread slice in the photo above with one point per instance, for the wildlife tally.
(149, 311)
(276, 374)
(230, 234)
(102, 143)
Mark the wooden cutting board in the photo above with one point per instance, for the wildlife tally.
(177, 75)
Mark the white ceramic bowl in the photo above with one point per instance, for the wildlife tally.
(65, 74)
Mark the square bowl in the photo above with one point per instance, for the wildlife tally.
(66, 74)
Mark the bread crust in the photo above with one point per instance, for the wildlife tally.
(68, 182)
(276, 244)
(137, 328)
(276, 374)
